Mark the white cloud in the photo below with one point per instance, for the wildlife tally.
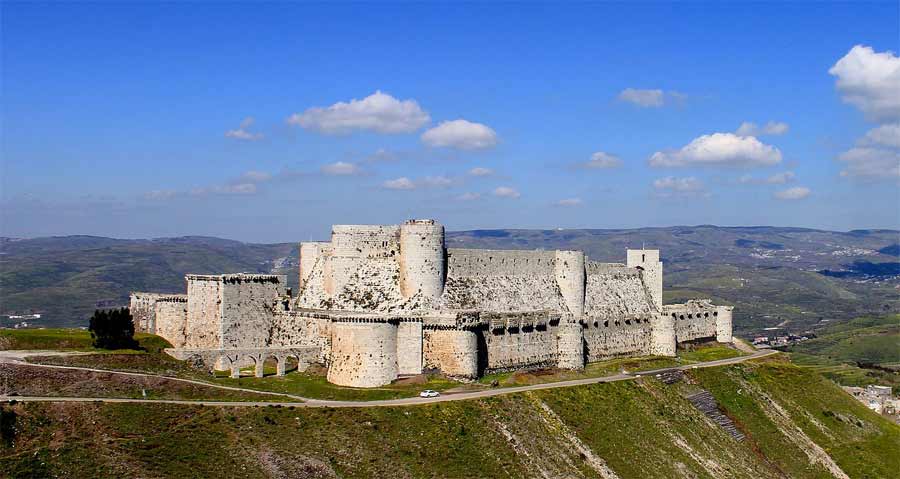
(469, 196)
(871, 163)
(461, 134)
(885, 135)
(506, 192)
(719, 150)
(382, 154)
(870, 81)
(378, 112)
(242, 134)
(775, 179)
(642, 98)
(479, 171)
(602, 159)
(651, 98)
(437, 181)
(795, 193)
(341, 168)
(672, 186)
(748, 128)
(254, 177)
(568, 202)
(402, 183)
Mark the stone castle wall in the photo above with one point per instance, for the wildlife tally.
(409, 347)
(171, 319)
(615, 291)
(609, 338)
(652, 271)
(453, 351)
(203, 328)
(363, 354)
(249, 302)
(694, 320)
(422, 267)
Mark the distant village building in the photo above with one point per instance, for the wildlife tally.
(378, 302)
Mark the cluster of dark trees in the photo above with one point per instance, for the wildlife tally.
(113, 329)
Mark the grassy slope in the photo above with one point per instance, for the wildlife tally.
(839, 348)
(641, 429)
(68, 339)
(861, 442)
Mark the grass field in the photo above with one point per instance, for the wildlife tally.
(70, 340)
(638, 429)
(855, 353)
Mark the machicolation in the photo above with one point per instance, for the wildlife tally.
(377, 302)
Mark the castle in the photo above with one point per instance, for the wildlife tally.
(378, 302)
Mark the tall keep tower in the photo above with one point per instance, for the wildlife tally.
(648, 261)
(422, 257)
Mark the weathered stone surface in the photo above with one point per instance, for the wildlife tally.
(379, 301)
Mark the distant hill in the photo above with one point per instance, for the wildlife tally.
(788, 276)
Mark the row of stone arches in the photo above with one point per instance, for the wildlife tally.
(283, 362)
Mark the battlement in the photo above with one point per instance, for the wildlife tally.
(378, 301)
(236, 278)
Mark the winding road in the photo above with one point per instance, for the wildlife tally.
(17, 357)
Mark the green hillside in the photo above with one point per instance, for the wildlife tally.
(796, 425)
(855, 353)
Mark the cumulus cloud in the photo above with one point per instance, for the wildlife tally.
(461, 134)
(479, 171)
(870, 81)
(642, 98)
(671, 186)
(775, 179)
(568, 202)
(650, 98)
(719, 150)
(506, 192)
(242, 132)
(378, 112)
(748, 128)
(402, 183)
(469, 196)
(871, 163)
(601, 160)
(795, 193)
(341, 168)
(885, 135)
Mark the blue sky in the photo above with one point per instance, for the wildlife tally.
(270, 122)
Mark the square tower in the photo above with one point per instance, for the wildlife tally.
(648, 261)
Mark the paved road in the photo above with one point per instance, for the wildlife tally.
(307, 402)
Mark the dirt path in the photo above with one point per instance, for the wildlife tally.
(16, 357)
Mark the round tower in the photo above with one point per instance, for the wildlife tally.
(422, 256)
(723, 324)
(570, 276)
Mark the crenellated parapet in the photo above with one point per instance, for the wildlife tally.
(380, 301)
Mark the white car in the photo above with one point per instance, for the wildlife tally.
(428, 393)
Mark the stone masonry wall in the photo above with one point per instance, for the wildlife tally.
(363, 354)
(171, 319)
(352, 245)
(616, 337)
(693, 320)
(141, 307)
(453, 351)
(409, 347)
(520, 348)
(614, 292)
(480, 262)
(204, 318)
(249, 303)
